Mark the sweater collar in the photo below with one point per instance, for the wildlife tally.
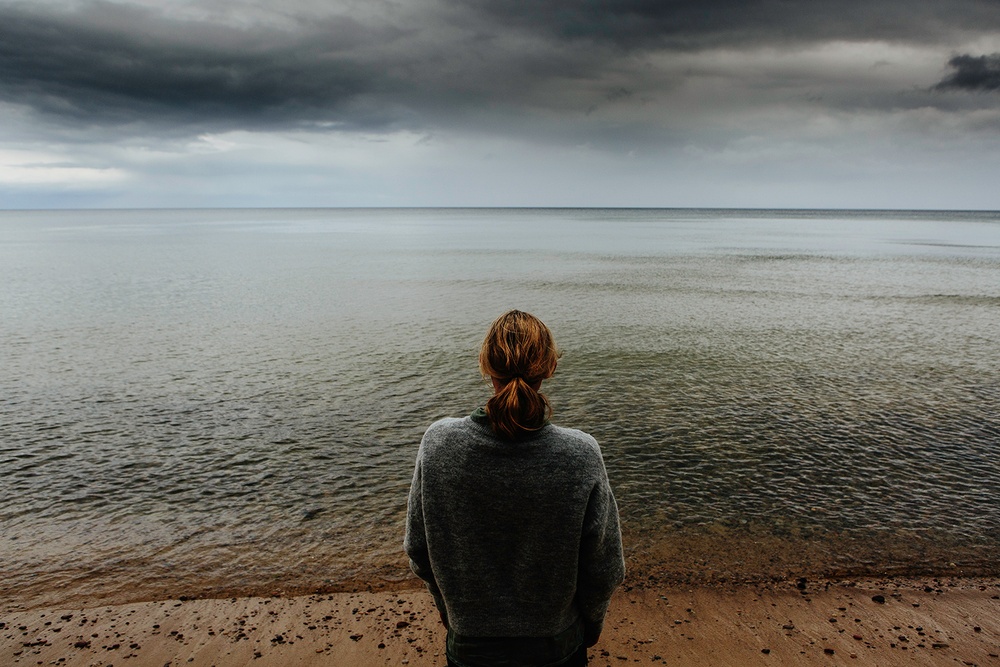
(480, 417)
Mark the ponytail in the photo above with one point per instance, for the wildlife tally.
(518, 353)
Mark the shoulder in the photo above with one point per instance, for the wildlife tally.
(444, 430)
(573, 435)
(445, 425)
(581, 444)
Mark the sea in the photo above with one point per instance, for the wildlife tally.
(229, 402)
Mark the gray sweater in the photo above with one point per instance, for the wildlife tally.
(514, 539)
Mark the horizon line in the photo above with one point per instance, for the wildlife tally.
(511, 208)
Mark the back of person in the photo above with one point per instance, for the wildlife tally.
(511, 520)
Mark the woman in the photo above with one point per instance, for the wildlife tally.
(511, 521)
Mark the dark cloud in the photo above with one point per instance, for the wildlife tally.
(107, 65)
(134, 66)
(973, 73)
(696, 24)
(420, 64)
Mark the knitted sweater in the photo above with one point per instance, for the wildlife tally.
(513, 538)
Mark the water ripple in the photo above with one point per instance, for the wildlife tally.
(217, 418)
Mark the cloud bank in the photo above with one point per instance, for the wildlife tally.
(473, 91)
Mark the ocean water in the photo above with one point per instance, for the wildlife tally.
(217, 402)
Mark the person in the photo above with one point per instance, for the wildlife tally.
(511, 521)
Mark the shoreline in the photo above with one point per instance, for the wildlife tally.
(712, 557)
(883, 621)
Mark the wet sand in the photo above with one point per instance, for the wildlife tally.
(931, 621)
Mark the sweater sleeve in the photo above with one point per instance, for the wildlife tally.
(415, 541)
(602, 565)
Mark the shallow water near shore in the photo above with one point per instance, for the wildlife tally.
(230, 401)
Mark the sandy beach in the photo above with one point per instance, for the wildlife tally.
(931, 621)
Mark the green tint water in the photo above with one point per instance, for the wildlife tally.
(229, 401)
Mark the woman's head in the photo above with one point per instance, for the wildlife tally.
(517, 354)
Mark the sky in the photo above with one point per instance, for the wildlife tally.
(646, 103)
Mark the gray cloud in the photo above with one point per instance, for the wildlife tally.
(100, 65)
(423, 64)
(110, 65)
(698, 24)
(975, 73)
(359, 102)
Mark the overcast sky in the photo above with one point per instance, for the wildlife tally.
(733, 103)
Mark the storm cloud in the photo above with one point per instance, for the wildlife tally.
(111, 63)
(688, 24)
(119, 64)
(973, 73)
(625, 96)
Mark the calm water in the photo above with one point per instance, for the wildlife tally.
(230, 401)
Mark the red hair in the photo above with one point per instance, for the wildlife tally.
(518, 352)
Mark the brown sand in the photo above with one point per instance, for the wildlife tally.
(920, 622)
